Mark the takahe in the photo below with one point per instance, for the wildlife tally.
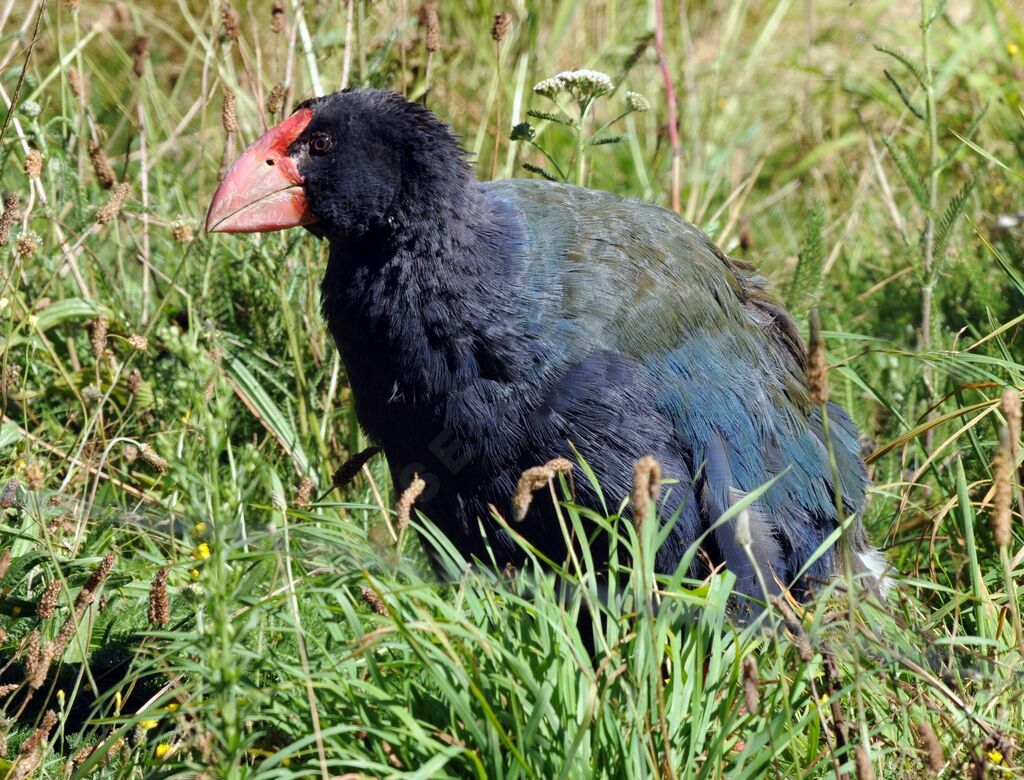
(487, 328)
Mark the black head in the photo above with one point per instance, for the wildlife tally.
(344, 165)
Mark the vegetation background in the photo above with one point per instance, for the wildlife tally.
(184, 593)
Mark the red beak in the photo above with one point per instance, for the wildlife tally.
(263, 189)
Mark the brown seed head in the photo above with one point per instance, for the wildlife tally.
(751, 680)
(30, 755)
(101, 573)
(275, 99)
(817, 365)
(48, 600)
(75, 82)
(182, 232)
(34, 476)
(140, 52)
(277, 17)
(37, 661)
(152, 457)
(228, 116)
(928, 743)
(375, 602)
(532, 480)
(351, 467)
(138, 342)
(134, 381)
(229, 21)
(101, 166)
(109, 211)
(5, 691)
(1002, 477)
(27, 244)
(98, 329)
(431, 25)
(304, 493)
(502, 23)
(1010, 405)
(7, 218)
(407, 499)
(159, 612)
(33, 163)
(646, 487)
(5, 556)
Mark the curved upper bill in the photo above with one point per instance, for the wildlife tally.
(263, 189)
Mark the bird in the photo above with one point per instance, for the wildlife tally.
(488, 327)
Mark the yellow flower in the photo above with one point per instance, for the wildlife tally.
(199, 529)
(1012, 49)
(151, 723)
(995, 756)
(195, 574)
(162, 750)
(173, 706)
(202, 551)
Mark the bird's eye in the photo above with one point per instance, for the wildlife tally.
(320, 143)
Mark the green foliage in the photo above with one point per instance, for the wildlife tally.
(302, 638)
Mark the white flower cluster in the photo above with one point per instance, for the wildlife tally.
(637, 102)
(582, 84)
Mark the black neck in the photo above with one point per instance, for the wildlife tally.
(424, 307)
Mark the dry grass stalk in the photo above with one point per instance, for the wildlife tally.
(862, 764)
(33, 163)
(928, 743)
(140, 52)
(431, 24)
(304, 493)
(532, 480)
(108, 211)
(98, 330)
(796, 629)
(101, 166)
(817, 365)
(351, 467)
(30, 755)
(374, 601)
(7, 217)
(500, 28)
(751, 680)
(1002, 475)
(159, 612)
(48, 600)
(407, 499)
(646, 487)
(153, 458)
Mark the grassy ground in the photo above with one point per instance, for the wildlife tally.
(173, 409)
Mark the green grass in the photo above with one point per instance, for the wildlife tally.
(868, 157)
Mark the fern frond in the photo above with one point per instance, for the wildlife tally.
(904, 96)
(904, 60)
(612, 139)
(905, 165)
(944, 228)
(540, 171)
(549, 117)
